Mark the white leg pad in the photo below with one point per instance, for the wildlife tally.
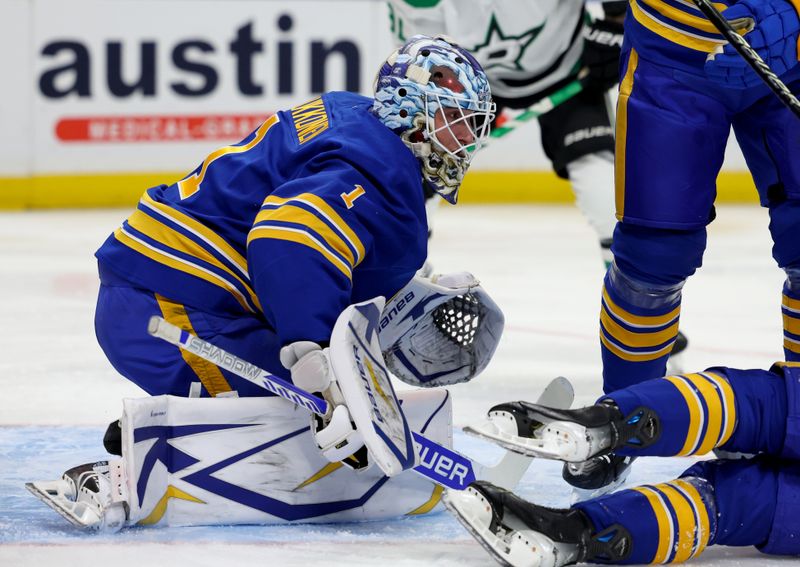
(215, 461)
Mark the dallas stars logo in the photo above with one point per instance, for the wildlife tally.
(500, 50)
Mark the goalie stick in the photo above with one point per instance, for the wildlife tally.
(437, 463)
(750, 56)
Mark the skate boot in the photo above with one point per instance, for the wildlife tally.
(112, 440)
(675, 363)
(567, 435)
(90, 496)
(597, 476)
(680, 344)
(518, 533)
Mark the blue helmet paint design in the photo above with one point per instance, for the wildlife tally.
(429, 76)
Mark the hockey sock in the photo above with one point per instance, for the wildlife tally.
(635, 340)
(746, 497)
(791, 323)
(737, 410)
(668, 522)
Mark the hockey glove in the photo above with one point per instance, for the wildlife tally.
(602, 42)
(440, 331)
(774, 38)
(335, 434)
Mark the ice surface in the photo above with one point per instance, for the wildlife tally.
(540, 263)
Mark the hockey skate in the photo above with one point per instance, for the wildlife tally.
(518, 533)
(90, 496)
(566, 435)
(675, 362)
(597, 476)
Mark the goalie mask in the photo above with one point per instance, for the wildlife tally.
(436, 97)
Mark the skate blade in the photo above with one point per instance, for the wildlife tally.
(558, 441)
(522, 548)
(47, 492)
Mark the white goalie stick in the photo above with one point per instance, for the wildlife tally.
(750, 56)
(437, 463)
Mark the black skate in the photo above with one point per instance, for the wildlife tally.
(567, 435)
(675, 362)
(519, 533)
(680, 344)
(597, 476)
(112, 440)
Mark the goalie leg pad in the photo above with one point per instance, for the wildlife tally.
(254, 461)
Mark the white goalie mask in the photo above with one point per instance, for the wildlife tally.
(436, 97)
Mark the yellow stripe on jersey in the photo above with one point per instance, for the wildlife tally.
(696, 414)
(704, 527)
(300, 237)
(790, 303)
(625, 90)
(791, 345)
(298, 215)
(728, 406)
(190, 185)
(699, 22)
(171, 238)
(641, 339)
(791, 324)
(686, 531)
(632, 356)
(714, 413)
(209, 373)
(663, 519)
(310, 120)
(180, 264)
(641, 321)
(200, 230)
(673, 34)
(324, 209)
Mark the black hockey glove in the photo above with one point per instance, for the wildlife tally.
(615, 8)
(601, 50)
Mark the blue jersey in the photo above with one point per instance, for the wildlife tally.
(673, 32)
(322, 206)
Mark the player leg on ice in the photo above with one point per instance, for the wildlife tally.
(584, 438)
(660, 239)
(662, 523)
(754, 411)
(682, 415)
(518, 533)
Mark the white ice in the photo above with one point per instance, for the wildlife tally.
(542, 265)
